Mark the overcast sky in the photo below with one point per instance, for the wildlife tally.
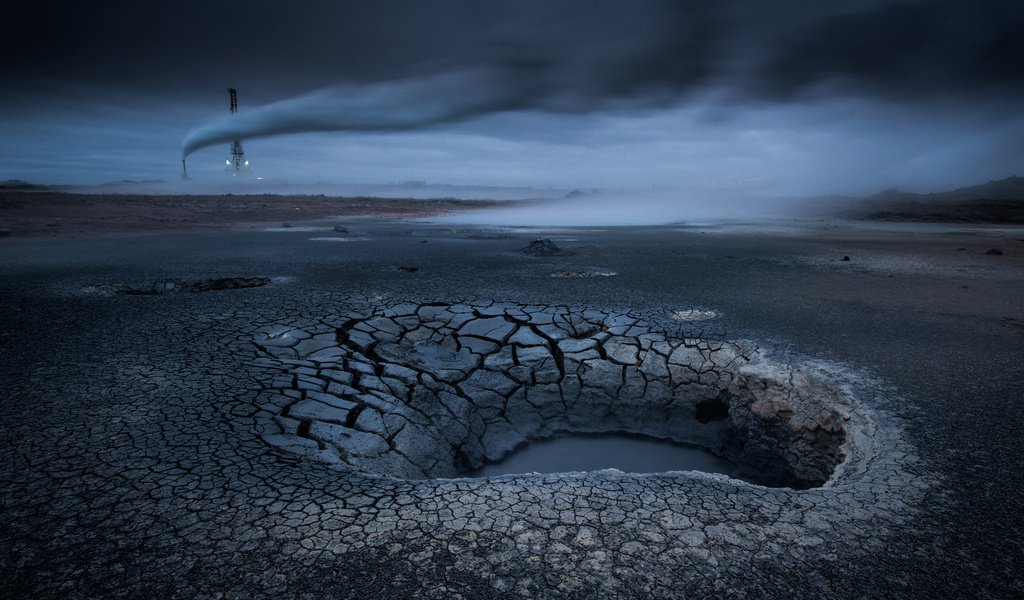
(792, 97)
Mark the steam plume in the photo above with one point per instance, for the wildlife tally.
(583, 56)
(391, 106)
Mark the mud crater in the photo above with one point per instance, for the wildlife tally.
(440, 390)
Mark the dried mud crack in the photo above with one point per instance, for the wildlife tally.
(316, 445)
(387, 405)
(419, 391)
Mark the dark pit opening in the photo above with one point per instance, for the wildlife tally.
(712, 409)
(419, 391)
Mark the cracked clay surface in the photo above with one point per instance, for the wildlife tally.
(202, 457)
(436, 390)
(309, 440)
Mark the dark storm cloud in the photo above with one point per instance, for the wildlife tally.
(582, 57)
(903, 49)
(604, 48)
(274, 50)
(390, 65)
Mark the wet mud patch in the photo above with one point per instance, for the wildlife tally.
(173, 285)
(427, 391)
(338, 239)
(583, 274)
(693, 314)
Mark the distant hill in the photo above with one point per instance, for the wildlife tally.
(17, 185)
(999, 201)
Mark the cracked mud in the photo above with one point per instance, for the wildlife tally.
(399, 400)
(426, 391)
(335, 433)
(171, 445)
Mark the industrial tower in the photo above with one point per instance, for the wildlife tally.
(237, 163)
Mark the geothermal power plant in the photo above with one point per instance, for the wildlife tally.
(237, 164)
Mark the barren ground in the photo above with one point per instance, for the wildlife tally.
(54, 214)
(172, 444)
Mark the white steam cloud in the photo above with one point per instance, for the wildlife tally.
(633, 208)
(391, 106)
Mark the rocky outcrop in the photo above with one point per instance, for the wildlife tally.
(543, 247)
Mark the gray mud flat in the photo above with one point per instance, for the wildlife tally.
(318, 436)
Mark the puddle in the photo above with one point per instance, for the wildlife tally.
(693, 314)
(632, 454)
(587, 273)
(338, 239)
(295, 229)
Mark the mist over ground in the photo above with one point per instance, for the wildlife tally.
(250, 186)
(635, 208)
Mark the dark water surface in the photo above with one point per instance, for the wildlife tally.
(632, 454)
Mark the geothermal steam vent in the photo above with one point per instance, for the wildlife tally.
(438, 390)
